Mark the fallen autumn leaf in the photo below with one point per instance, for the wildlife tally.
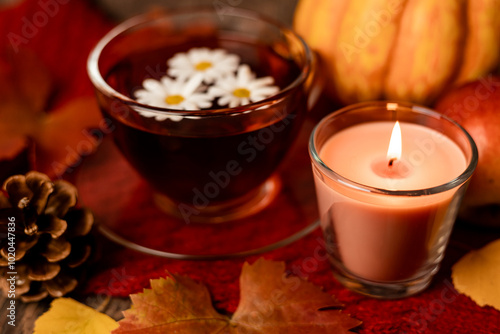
(66, 315)
(477, 275)
(270, 302)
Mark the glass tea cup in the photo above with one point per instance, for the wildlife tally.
(210, 165)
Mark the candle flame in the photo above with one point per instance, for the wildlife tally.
(394, 151)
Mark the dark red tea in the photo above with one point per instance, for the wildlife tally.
(208, 160)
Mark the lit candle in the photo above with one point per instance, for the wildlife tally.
(392, 166)
(370, 244)
(381, 207)
(427, 157)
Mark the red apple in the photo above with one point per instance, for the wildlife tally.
(476, 106)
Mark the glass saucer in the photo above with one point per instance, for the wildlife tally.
(126, 213)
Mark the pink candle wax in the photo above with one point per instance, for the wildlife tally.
(387, 237)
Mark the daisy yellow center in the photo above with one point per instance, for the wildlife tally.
(241, 92)
(203, 65)
(174, 99)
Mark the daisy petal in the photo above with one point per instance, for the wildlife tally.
(234, 103)
(192, 84)
(141, 93)
(175, 118)
(260, 82)
(160, 117)
(190, 106)
(216, 91)
(245, 101)
(178, 61)
(204, 104)
(266, 91)
(224, 100)
(152, 85)
(178, 73)
(166, 81)
(244, 75)
(228, 84)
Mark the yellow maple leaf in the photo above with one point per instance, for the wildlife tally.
(477, 275)
(66, 315)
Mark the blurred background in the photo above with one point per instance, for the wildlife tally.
(122, 9)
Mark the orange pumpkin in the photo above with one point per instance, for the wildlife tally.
(400, 49)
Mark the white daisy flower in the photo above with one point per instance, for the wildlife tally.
(243, 88)
(212, 64)
(172, 94)
(158, 116)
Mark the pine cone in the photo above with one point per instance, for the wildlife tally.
(50, 237)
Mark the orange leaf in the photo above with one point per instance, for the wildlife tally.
(29, 82)
(65, 139)
(271, 302)
(176, 304)
(25, 85)
(60, 136)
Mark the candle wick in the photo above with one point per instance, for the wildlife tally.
(391, 162)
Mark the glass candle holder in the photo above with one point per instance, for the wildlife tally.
(386, 217)
(216, 164)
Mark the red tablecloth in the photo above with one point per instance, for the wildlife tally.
(62, 32)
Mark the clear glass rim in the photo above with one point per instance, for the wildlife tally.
(462, 178)
(100, 83)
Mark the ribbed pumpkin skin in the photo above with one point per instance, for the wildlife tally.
(408, 50)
